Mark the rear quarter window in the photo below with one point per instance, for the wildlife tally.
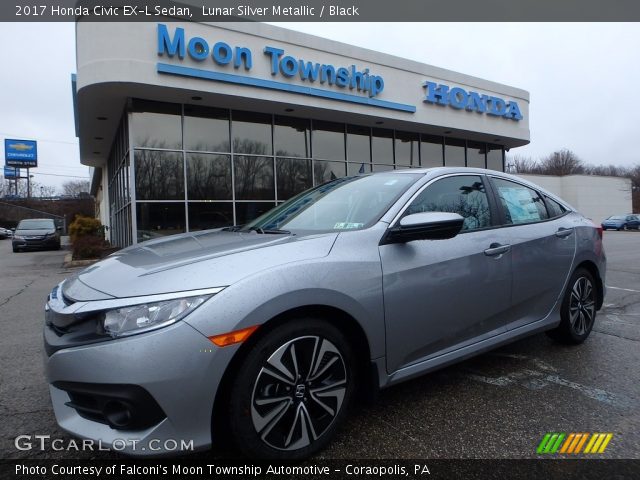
(554, 208)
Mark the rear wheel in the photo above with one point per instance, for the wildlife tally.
(578, 310)
(292, 391)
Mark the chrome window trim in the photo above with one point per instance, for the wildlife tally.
(537, 189)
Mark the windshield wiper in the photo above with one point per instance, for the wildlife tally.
(269, 230)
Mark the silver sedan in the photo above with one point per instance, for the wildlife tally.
(264, 333)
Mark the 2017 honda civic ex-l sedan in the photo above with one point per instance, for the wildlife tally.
(264, 333)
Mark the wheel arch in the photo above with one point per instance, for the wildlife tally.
(592, 268)
(354, 333)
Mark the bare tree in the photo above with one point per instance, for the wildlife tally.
(75, 187)
(562, 162)
(520, 164)
(7, 187)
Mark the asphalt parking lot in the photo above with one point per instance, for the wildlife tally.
(497, 405)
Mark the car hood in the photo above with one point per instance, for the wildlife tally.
(191, 261)
(37, 231)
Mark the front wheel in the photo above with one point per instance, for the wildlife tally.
(578, 310)
(292, 391)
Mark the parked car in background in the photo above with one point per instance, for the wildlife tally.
(5, 233)
(621, 222)
(36, 233)
(263, 333)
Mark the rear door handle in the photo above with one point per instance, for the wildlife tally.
(564, 232)
(496, 249)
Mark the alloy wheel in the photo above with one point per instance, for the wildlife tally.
(582, 306)
(298, 393)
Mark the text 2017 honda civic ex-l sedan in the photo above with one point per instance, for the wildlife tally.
(264, 333)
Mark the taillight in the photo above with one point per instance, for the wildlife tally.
(599, 231)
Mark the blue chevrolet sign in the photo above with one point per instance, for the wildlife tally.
(11, 172)
(21, 153)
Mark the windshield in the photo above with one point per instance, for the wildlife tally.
(617, 217)
(347, 203)
(35, 224)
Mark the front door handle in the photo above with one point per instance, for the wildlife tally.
(564, 232)
(496, 249)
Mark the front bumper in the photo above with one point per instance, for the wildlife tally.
(177, 366)
(27, 243)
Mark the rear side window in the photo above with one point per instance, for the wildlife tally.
(520, 204)
(464, 195)
(554, 208)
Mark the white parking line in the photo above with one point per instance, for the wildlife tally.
(625, 289)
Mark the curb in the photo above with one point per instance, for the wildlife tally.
(69, 262)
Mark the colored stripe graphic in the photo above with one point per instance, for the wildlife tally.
(570, 439)
(572, 443)
(543, 443)
(606, 441)
(581, 444)
(550, 443)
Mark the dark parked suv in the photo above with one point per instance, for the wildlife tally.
(36, 233)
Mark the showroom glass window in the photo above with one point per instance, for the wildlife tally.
(454, 155)
(476, 154)
(196, 167)
(157, 125)
(461, 194)
(495, 157)
(431, 151)
(407, 149)
(206, 129)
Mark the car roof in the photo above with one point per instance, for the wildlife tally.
(439, 171)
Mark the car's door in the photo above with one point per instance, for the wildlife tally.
(442, 294)
(543, 244)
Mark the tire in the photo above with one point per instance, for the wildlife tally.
(578, 309)
(310, 408)
(15, 249)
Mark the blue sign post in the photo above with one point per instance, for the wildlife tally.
(21, 153)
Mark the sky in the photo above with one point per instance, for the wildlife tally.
(582, 79)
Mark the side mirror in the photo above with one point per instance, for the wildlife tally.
(424, 226)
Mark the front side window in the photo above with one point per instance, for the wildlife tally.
(520, 204)
(464, 195)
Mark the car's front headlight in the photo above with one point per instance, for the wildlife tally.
(18, 237)
(125, 321)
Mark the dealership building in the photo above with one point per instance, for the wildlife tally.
(191, 126)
